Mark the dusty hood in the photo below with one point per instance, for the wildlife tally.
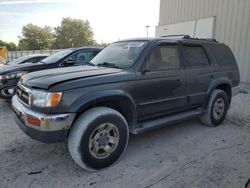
(48, 78)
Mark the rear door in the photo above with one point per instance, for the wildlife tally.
(199, 73)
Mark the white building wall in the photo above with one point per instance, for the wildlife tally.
(232, 23)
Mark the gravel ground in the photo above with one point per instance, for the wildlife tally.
(183, 155)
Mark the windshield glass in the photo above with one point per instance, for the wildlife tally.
(120, 54)
(56, 56)
(19, 60)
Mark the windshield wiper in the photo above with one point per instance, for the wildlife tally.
(107, 64)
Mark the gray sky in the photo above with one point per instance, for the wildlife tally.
(111, 20)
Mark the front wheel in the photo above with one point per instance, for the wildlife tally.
(217, 109)
(98, 138)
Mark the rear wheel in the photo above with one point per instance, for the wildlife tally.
(98, 138)
(217, 109)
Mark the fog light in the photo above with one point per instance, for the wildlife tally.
(33, 121)
(11, 91)
(8, 92)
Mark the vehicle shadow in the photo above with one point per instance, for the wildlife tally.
(24, 160)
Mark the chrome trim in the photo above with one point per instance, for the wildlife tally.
(24, 88)
(27, 90)
(235, 90)
(49, 122)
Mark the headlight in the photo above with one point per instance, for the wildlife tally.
(45, 99)
(12, 75)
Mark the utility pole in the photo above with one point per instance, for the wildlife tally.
(147, 26)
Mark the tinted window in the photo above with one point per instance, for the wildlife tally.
(82, 57)
(222, 54)
(41, 58)
(163, 57)
(194, 56)
(32, 60)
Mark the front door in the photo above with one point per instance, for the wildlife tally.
(160, 88)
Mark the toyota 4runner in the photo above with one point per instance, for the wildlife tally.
(132, 86)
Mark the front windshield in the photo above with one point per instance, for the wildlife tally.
(56, 56)
(19, 60)
(120, 54)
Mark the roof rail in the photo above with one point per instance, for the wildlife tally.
(205, 39)
(188, 37)
(183, 36)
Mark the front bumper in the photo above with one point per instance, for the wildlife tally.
(53, 127)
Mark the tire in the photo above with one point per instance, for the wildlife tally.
(216, 114)
(95, 130)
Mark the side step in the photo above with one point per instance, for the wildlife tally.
(162, 122)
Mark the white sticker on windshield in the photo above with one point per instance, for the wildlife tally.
(135, 44)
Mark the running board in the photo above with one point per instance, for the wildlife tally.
(162, 122)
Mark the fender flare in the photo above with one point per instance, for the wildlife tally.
(214, 84)
(89, 99)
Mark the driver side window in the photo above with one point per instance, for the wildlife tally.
(81, 58)
(163, 57)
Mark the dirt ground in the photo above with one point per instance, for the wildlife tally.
(182, 155)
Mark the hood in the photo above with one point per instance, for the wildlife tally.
(5, 69)
(48, 78)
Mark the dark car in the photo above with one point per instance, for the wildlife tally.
(34, 58)
(132, 86)
(10, 74)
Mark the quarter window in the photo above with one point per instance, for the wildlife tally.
(223, 54)
(163, 57)
(194, 56)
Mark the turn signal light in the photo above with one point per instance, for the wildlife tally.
(33, 121)
(55, 99)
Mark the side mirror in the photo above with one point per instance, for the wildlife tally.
(70, 62)
(145, 71)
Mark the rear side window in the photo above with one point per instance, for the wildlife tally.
(222, 54)
(194, 56)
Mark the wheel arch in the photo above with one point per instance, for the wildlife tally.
(223, 84)
(115, 99)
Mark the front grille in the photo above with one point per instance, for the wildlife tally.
(23, 94)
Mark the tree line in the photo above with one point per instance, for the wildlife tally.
(70, 33)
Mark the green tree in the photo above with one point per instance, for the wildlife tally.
(73, 33)
(36, 38)
(9, 45)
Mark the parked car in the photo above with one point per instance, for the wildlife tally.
(131, 86)
(34, 58)
(10, 74)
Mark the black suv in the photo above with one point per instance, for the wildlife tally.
(10, 74)
(131, 86)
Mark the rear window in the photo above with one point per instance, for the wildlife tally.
(194, 56)
(222, 54)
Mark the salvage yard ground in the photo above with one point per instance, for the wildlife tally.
(188, 154)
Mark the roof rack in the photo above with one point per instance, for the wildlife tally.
(188, 37)
(183, 36)
(205, 39)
